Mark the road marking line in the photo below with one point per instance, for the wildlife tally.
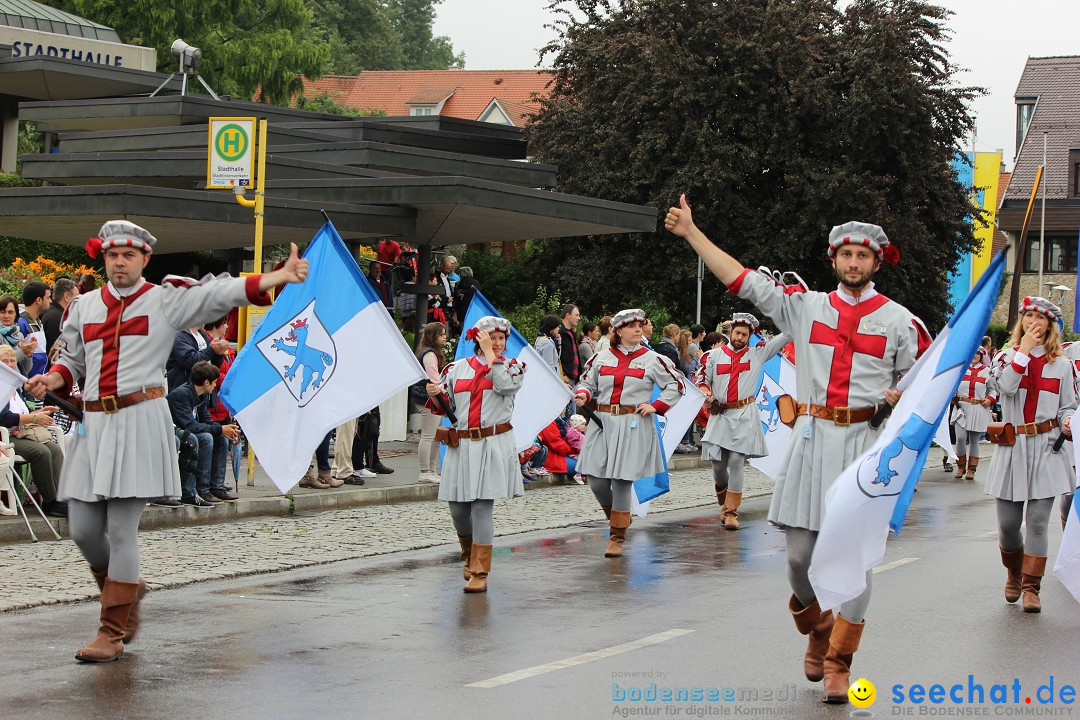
(894, 564)
(991, 534)
(579, 659)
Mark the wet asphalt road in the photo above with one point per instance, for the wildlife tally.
(394, 637)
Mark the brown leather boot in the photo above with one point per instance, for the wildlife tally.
(818, 625)
(466, 551)
(1033, 568)
(721, 499)
(310, 480)
(731, 510)
(620, 520)
(1013, 561)
(132, 626)
(973, 462)
(116, 601)
(843, 644)
(327, 478)
(479, 567)
(961, 461)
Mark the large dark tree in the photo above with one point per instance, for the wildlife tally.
(778, 118)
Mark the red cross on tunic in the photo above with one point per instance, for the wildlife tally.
(845, 341)
(973, 379)
(734, 369)
(1034, 382)
(622, 370)
(110, 332)
(475, 386)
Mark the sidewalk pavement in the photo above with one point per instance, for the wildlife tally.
(264, 499)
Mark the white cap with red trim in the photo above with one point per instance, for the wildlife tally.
(743, 318)
(120, 233)
(488, 323)
(858, 233)
(1040, 305)
(625, 317)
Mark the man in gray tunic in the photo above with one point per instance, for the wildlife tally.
(116, 340)
(850, 347)
(729, 376)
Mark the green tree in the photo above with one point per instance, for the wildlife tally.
(421, 50)
(778, 118)
(360, 34)
(248, 46)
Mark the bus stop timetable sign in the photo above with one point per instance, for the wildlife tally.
(229, 152)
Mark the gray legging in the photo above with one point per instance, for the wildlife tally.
(727, 472)
(800, 547)
(1011, 514)
(614, 493)
(474, 519)
(107, 533)
(967, 442)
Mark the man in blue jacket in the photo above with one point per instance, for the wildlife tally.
(191, 416)
(189, 347)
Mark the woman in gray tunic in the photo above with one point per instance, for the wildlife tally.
(971, 415)
(618, 383)
(481, 464)
(1037, 391)
(729, 376)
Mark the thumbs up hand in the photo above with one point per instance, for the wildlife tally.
(680, 220)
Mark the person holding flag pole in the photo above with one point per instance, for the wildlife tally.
(481, 463)
(852, 344)
(730, 376)
(617, 383)
(1036, 386)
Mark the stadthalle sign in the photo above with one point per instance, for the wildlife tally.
(33, 43)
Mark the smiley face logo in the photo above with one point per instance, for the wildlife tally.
(862, 693)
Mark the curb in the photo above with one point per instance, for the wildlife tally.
(13, 530)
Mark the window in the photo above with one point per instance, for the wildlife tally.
(422, 110)
(1024, 110)
(1074, 173)
(1059, 257)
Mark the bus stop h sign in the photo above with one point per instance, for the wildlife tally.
(229, 152)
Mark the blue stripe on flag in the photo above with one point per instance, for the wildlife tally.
(964, 334)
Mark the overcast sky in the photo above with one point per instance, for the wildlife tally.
(991, 39)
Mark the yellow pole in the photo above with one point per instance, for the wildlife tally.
(259, 204)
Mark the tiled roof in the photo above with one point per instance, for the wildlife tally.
(1055, 81)
(470, 91)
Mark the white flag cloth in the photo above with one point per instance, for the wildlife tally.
(778, 379)
(10, 381)
(1067, 565)
(872, 495)
(672, 428)
(326, 352)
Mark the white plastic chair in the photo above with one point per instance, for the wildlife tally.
(9, 477)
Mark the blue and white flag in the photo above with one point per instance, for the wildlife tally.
(872, 495)
(1067, 564)
(326, 352)
(777, 379)
(543, 395)
(671, 429)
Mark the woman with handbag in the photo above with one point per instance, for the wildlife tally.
(1035, 385)
(430, 354)
(481, 463)
(970, 416)
(618, 383)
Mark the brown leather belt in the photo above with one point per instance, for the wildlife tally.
(614, 409)
(111, 403)
(973, 401)
(840, 415)
(1035, 428)
(479, 433)
(737, 404)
